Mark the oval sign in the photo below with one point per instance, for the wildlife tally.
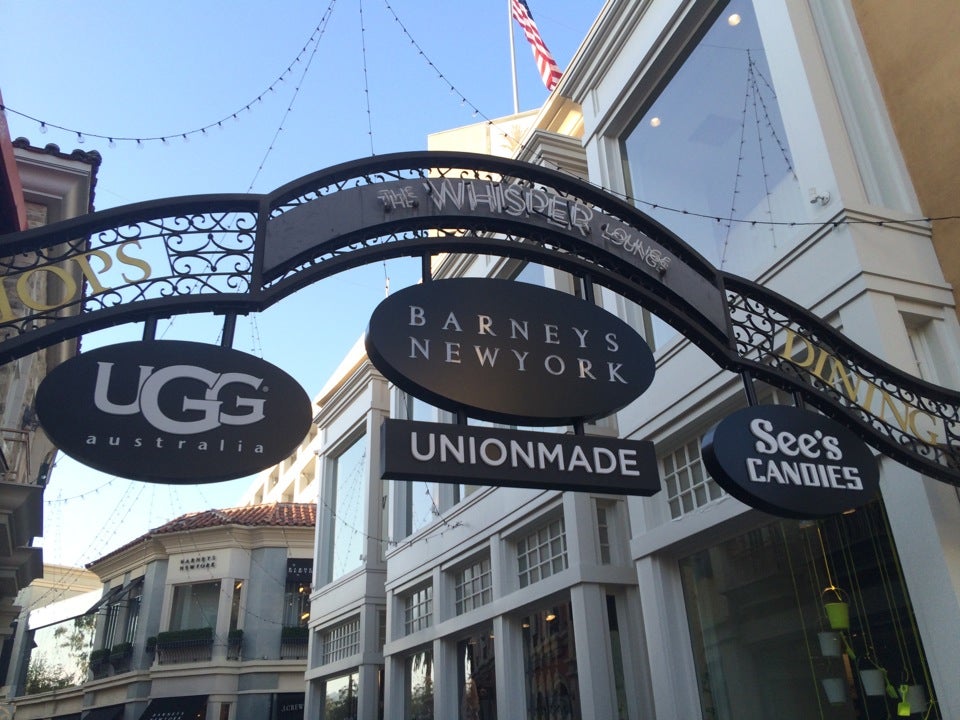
(173, 412)
(508, 351)
(790, 462)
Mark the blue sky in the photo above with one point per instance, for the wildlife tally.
(366, 86)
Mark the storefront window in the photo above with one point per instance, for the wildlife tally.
(340, 702)
(550, 664)
(477, 668)
(764, 645)
(713, 145)
(418, 690)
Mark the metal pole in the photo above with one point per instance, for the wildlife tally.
(513, 60)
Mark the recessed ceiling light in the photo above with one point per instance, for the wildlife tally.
(733, 20)
(654, 122)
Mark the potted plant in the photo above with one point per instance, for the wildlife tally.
(99, 660)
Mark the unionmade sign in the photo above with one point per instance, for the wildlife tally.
(512, 353)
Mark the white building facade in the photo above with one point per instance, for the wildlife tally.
(755, 131)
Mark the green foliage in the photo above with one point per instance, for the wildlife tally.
(174, 638)
(44, 677)
(121, 648)
(294, 633)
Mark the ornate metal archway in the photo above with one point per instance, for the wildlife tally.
(239, 254)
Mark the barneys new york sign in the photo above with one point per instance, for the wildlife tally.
(519, 354)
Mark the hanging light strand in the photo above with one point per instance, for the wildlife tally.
(82, 135)
(318, 34)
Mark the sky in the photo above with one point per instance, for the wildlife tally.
(299, 86)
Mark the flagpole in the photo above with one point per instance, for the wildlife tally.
(513, 60)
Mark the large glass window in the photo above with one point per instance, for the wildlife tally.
(550, 664)
(477, 668)
(195, 606)
(348, 503)
(59, 655)
(418, 686)
(712, 145)
(806, 619)
(340, 702)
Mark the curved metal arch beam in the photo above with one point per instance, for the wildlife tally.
(238, 254)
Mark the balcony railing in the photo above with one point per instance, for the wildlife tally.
(183, 646)
(293, 643)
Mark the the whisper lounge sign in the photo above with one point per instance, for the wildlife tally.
(790, 462)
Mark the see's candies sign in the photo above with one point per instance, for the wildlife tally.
(790, 462)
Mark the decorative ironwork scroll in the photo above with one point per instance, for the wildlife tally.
(243, 253)
(916, 422)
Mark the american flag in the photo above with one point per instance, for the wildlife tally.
(547, 66)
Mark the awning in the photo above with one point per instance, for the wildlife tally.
(176, 708)
(111, 712)
(61, 610)
(107, 598)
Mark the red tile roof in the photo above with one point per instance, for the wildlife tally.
(267, 515)
(272, 514)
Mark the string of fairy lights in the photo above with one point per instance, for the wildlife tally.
(306, 55)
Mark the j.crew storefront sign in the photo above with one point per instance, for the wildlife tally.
(518, 354)
(173, 411)
(790, 462)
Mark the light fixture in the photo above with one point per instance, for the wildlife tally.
(551, 616)
(734, 20)
(305, 616)
(654, 122)
(525, 625)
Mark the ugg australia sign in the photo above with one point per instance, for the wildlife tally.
(790, 462)
(173, 411)
(508, 351)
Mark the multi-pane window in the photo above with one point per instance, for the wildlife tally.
(418, 609)
(195, 606)
(474, 586)
(542, 553)
(686, 480)
(341, 641)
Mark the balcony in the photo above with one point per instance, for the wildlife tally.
(293, 642)
(183, 646)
